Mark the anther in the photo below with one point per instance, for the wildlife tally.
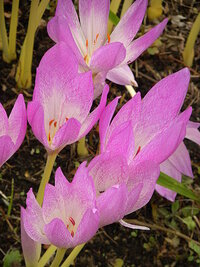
(108, 35)
(55, 124)
(86, 43)
(85, 57)
(139, 148)
(49, 137)
(51, 121)
(72, 221)
(72, 233)
(66, 119)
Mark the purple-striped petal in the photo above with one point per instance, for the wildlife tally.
(192, 132)
(7, 148)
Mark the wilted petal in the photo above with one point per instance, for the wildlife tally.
(107, 57)
(18, 122)
(138, 46)
(121, 75)
(192, 132)
(168, 168)
(31, 249)
(94, 17)
(133, 226)
(130, 23)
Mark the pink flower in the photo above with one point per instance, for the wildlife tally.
(68, 216)
(179, 162)
(142, 135)
(62, 99)
(106, 55)
(12, 129)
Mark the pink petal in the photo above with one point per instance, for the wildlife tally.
(107, 170)
(94, 18)
(104, 122)
(7, 149)
(59, 31)
(94, 115)
(56, 70)
(130, 111)
(107, 57)
(4, 121)
(133, 196)
(116, 196)
(65, 9)
(121, 75)
(33, 220)
(161, 105)
(122, 140)
(31, 249)
(130, 23)
(35, 114)
(137, 47)
(181, 160)
(66, 135)
(145, 172)
(18, 122)
(192, 132)
(158, 149)
(79, 97)
(168, 168)
(87, 227)
(58, 234)
(99, 83)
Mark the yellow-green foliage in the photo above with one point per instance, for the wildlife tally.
(188, 53)
(155, 9)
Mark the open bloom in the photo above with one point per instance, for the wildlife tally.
(179, 162)
(142, 135)
(68, 216)
(106, 55)
(12, 129)
(62, 99)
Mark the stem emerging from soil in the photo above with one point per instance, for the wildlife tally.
(72, 256)
(45, 178)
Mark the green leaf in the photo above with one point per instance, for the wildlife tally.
(189, 222)
(12, 258)
(189, 211)
(114, 18)
(175, 206)
(172, 184)
(194, 247)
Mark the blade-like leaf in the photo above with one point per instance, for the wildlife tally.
(177, 187)
(114, 18)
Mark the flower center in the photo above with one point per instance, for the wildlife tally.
(71, 225)
(89, 53)
(54, 126)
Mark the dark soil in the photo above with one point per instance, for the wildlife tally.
(136, 248)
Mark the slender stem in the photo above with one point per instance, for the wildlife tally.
(41, 8)
(72, 255)
(126, 5)
(46, 175)
(11, 198)
(59, 256)
(4, 33)
(130, 90)
(46, 256)
(13, 29)
(114, 6)
(0, 41)
(81, 148)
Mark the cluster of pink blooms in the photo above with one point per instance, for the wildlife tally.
(144, 138)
